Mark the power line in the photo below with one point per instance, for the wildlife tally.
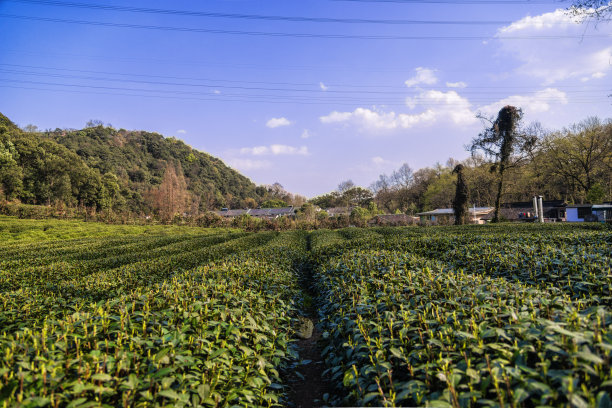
(208, 14)
(467, 2)
(294, 35)
(213, 86)
(264, 98)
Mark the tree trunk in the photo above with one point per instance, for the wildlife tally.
(500, 186)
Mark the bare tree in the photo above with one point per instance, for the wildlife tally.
(383, 184)
(171, 195)
(30, 128)
(345, 185)
(591, 9)
(403, 177)
(94, 123)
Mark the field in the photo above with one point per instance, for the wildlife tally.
(507, 315)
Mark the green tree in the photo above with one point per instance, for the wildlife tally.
(307, 212)
(356, 196)
(581, 156)
(462, 197)
(110, 192)
(439, 192)
(359, 216)
(273, 203)
(10, 173)
(596, 193)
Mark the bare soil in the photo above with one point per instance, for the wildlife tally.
(309, 392)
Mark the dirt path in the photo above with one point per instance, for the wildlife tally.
(309, 392)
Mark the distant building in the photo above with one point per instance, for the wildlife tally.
(393, 220)
(554, 210)
(227, 213)
(269, 213)
(447, 215)
(589, 212)
(272, 212)
(336, 211)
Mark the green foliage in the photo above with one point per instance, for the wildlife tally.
(10, 173)
(7, 124)
(439, 193)
(275, 203)
(596, 194)
(466, 316)
(351, 196)
(108, 169)
(170, 317)
(139, 159)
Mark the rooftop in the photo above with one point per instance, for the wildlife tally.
(450, 211)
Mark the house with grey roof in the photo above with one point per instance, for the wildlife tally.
(227, 213)
(269, 213)
(336, 211)
(447, 215)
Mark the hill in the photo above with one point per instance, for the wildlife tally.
(106, 168)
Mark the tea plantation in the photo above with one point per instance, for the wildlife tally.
(145, 316)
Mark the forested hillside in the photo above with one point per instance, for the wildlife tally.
(107, 169)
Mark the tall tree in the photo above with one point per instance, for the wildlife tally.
(501, 141)
(345, 185)
(581, 155)
(10, 173)
(171, 195)
(462, 197)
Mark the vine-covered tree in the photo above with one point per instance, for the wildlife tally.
(462, 197)
(500, 142)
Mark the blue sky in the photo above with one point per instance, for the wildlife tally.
(316, 103)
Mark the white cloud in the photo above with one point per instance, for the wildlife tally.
(217, 92)
(439, 107)
(255, 151)
(445, 105)
(181, 131)
(557, 58)
(278, 122)
(275, 150)
(596, 75)
(323, 87)
(459, 84)
(422, 75)
(378, 120)
(248, 164)
(305, 134)
(377, 160)
(436, 106)
(538, 102)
